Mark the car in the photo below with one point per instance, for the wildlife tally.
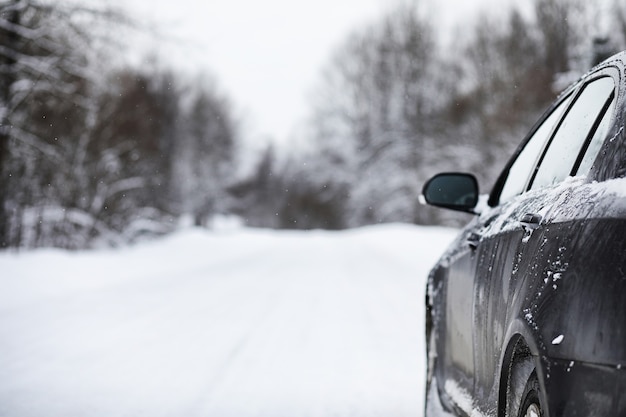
(526, 310)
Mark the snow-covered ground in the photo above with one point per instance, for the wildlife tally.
(226, 323)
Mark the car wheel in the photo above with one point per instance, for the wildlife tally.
(531, 402)
(522, 393)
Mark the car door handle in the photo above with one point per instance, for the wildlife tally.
(531, 221)
(473, 240)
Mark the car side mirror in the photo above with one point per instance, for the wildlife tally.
(452, 190)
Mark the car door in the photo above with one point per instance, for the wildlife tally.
(515, 240)
(499, 235)
(463, 309)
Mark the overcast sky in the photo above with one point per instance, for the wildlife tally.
(267, 54)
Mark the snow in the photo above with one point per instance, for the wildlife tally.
(230, 322)
(459, 396)
(558, 340)
(462, 399)
(434, 407)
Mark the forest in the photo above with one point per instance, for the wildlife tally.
(94, 152)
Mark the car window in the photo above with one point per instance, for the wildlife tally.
(596, 141)
(570, 137)
(521, 169)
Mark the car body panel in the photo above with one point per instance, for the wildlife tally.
(582, 389)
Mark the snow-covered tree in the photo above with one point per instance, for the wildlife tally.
(205, 152)
(89, 153)
(375, 112)
(393, 108)
(44, 108)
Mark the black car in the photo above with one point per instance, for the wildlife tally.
(526, 311)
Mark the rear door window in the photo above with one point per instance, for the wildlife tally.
(575, 132)
(596, 142)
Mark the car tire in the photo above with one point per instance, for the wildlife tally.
(531, 405)
(520, 384)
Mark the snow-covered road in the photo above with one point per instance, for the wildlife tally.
(240, 323)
